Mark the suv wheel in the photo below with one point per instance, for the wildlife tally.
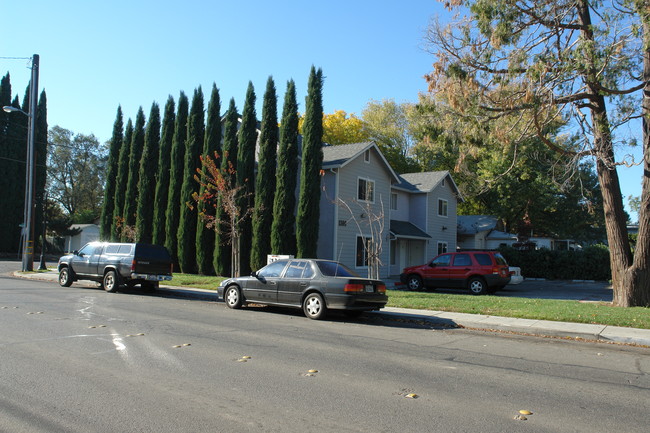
(414, 282)
(477, 286)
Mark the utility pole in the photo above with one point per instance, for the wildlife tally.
(28, 246)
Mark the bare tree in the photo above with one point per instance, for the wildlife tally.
(218, 189)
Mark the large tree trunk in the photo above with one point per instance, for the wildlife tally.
(636, 284)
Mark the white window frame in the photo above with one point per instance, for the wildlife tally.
(446, 207)
(393, 201)
(364, 252)
(443, 247)
(372, 190)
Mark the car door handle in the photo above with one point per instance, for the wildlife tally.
(303, 284)
(271, 283)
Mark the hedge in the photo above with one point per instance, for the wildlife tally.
(590, 263)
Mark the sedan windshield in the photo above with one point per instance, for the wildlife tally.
(335, 269)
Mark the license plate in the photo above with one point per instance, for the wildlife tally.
(370, 288)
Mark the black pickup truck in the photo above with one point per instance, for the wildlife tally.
(116, 264)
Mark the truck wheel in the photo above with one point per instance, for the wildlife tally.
(65, 277)
(111, 281)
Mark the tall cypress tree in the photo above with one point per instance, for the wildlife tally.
(164, 164)
(283, 237)
(211, 144)
(188, 218)
(40, 173)
(172, 215)
(120, 185)
(10, 170)
(246, 177)
(147, 176)
(265, 180)
(18, 128)
(137, 145)
(111, 176)
(222, 248)
(307, 220)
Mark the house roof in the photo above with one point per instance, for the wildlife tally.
(425, 182)
(341, 154)
(405, 229)
(472, 224)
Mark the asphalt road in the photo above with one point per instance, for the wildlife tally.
(81, 360)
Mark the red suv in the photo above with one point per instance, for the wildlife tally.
(479, 271)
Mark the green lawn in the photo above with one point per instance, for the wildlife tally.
(542, 309)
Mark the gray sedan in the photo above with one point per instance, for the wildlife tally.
(310, 284)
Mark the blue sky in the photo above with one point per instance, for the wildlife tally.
(98, 55)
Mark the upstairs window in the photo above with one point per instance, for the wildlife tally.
(442, 207)
(366, 190)
(393, 201)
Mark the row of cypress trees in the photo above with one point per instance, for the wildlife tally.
(13, 154)
(152, 167)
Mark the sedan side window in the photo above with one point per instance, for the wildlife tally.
(273, 270)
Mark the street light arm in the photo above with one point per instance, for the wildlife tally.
(11, 109)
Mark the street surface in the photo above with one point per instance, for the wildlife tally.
(79, 359)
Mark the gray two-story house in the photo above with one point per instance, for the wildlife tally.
(409, 218)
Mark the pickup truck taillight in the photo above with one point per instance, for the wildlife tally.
(133, 264)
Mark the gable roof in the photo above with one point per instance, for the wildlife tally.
(405, 229)
(340, 155)
(472, 224)
(425, 182)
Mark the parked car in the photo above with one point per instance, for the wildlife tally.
(313, 285)
(480, 272)
(115, 264)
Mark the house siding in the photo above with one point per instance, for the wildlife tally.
(440, 228)
(346, 235)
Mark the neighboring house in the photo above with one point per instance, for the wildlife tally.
(89, 233)
(480, 232)
(413, 216)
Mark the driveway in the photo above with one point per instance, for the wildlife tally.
(551, 289)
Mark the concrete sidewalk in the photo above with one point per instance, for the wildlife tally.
(544, 328)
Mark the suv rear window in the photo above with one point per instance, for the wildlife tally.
(500, 259)
(483, 259)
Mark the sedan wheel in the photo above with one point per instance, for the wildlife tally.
(314, 306)
(233, 297)
(477, 286)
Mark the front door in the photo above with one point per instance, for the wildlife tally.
(264, 286)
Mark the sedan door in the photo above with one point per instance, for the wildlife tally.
(296, 279)
(262, 286)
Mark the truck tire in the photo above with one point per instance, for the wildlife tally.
(111, 281)
(65, 277)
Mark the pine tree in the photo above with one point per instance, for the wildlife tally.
(283, 237)
(172, 215)
(147, 176)
(222, 247)
(246, 176)
(188, 216)
(307, 220)
(10, 169)
(111, 176)
(211, 144)
(265, 180)
(137, 145)
(164, 164)
(14, 217)
(120, 184)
